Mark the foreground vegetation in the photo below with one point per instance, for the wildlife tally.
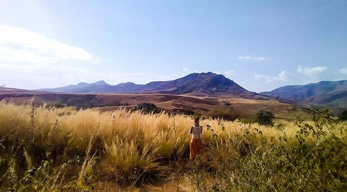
(63, 149)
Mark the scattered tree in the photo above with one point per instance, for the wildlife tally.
(343, 116)
(147, 108)
(265, 118)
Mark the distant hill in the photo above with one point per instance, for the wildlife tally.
(208, 94)
(231, 107)
(324, 93)
(196, 84)
(6, 91)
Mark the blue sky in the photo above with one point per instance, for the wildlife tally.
(261, 45)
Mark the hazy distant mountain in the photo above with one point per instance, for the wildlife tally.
(324, 93)
(198, 84)
(81, 88)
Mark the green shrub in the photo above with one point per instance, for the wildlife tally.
(343, 116)
(147, 108)
(265, 118)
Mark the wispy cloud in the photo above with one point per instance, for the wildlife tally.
(343, 71)
(46, 76)
(246, 57)
(21, 45)
(311, 71)
(283, 76)
(34, 60)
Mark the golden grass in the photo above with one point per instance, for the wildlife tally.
(128, 141)
(164, 135)
(161, 134)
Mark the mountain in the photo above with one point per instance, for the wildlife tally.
(80, 88)
(324, 93)
(196, 84)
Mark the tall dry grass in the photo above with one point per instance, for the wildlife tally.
(137, 136)
(161, 135)
(122, 145)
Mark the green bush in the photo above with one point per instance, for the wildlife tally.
(343, 116)
(147, 108)
(265, 118)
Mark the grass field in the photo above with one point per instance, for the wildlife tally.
(63, 149)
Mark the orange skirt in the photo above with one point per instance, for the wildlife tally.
(195, 147)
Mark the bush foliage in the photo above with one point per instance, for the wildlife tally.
(343, 116)
(147, 108)
(265, 118)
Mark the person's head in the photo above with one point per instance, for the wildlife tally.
(196, 120)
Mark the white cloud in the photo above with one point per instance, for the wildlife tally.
(46, 76)
(30, 60)
(245, 57)
(283, 76)
(343, 71)
(311, 71)
(21, 45)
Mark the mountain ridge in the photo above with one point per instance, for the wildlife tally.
(323, 93)
(197, 84)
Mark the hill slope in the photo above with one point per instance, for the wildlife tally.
(208, 106)
(197, 84)
(324, 93)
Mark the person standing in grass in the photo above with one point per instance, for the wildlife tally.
(195, 143)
